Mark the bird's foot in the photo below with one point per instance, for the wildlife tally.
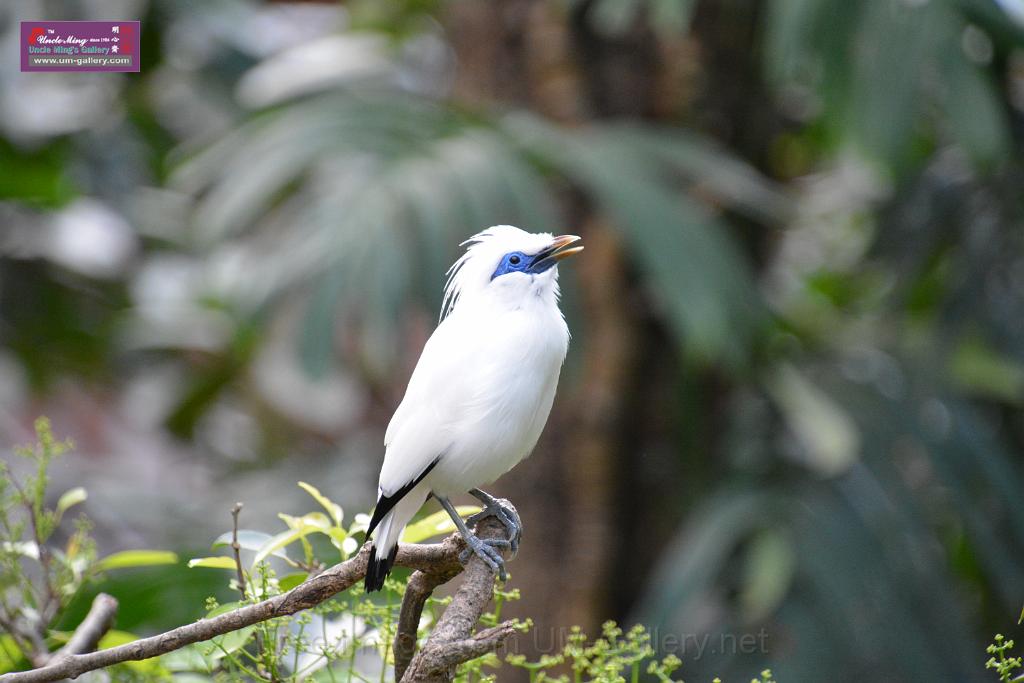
(503, 511)
(484, 548)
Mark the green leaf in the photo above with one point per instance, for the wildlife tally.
(114, 638)
(977, 117)
(218, 562)
(828, 434)
(436, 524)
(700, 552)
(190, 658)
(135, 558)
(279, 542)
(312, 521)
(223, 609)
(333, 509)
(981, 369)
(338, 538)
(361, 522)
(189, 676)
(10, 654)
(41, 176)
(788, 36)
(881, 112)
(229, 642)
(341, 540)
(768, 572)
(247, 540)
(70, 498)
(290, 581)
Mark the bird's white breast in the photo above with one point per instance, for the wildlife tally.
(513, 371)
(481, 392)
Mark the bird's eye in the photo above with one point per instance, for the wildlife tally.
(514, 260)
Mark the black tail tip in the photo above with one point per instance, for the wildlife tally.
(378, 568)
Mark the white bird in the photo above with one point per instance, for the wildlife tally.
(481, 391)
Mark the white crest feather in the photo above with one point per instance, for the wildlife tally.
(454, 285)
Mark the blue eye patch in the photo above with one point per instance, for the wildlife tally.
(518, 262)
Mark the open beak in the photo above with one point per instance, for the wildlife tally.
(559, 249)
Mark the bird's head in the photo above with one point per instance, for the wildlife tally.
(507, 265)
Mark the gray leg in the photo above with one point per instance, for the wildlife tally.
(483, 547)
(506, 514)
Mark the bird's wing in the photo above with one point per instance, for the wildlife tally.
(419, 432)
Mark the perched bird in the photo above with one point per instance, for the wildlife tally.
(481, 391)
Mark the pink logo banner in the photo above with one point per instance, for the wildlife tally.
(80, 45)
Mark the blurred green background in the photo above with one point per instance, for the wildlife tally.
(792, 404)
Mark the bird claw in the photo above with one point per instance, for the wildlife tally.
(504, 513)
(484, 548)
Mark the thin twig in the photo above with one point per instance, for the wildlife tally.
(50, 602)
(237, 508)
(236, 548)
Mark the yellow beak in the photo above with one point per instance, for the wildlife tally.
(559, 244)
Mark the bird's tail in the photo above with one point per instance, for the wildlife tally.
(378, 568)
(385, 541)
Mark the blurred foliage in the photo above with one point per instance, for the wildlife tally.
(348, 636)
(887, 77)
(38, 577)
(337, 635)
(853, 282)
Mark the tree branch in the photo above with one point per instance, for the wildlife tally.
(452, 641)
(436, 557)
(421, 585)
(87, 636)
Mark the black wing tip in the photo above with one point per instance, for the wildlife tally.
(379, 510)
(378, 568)
(385, 503)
